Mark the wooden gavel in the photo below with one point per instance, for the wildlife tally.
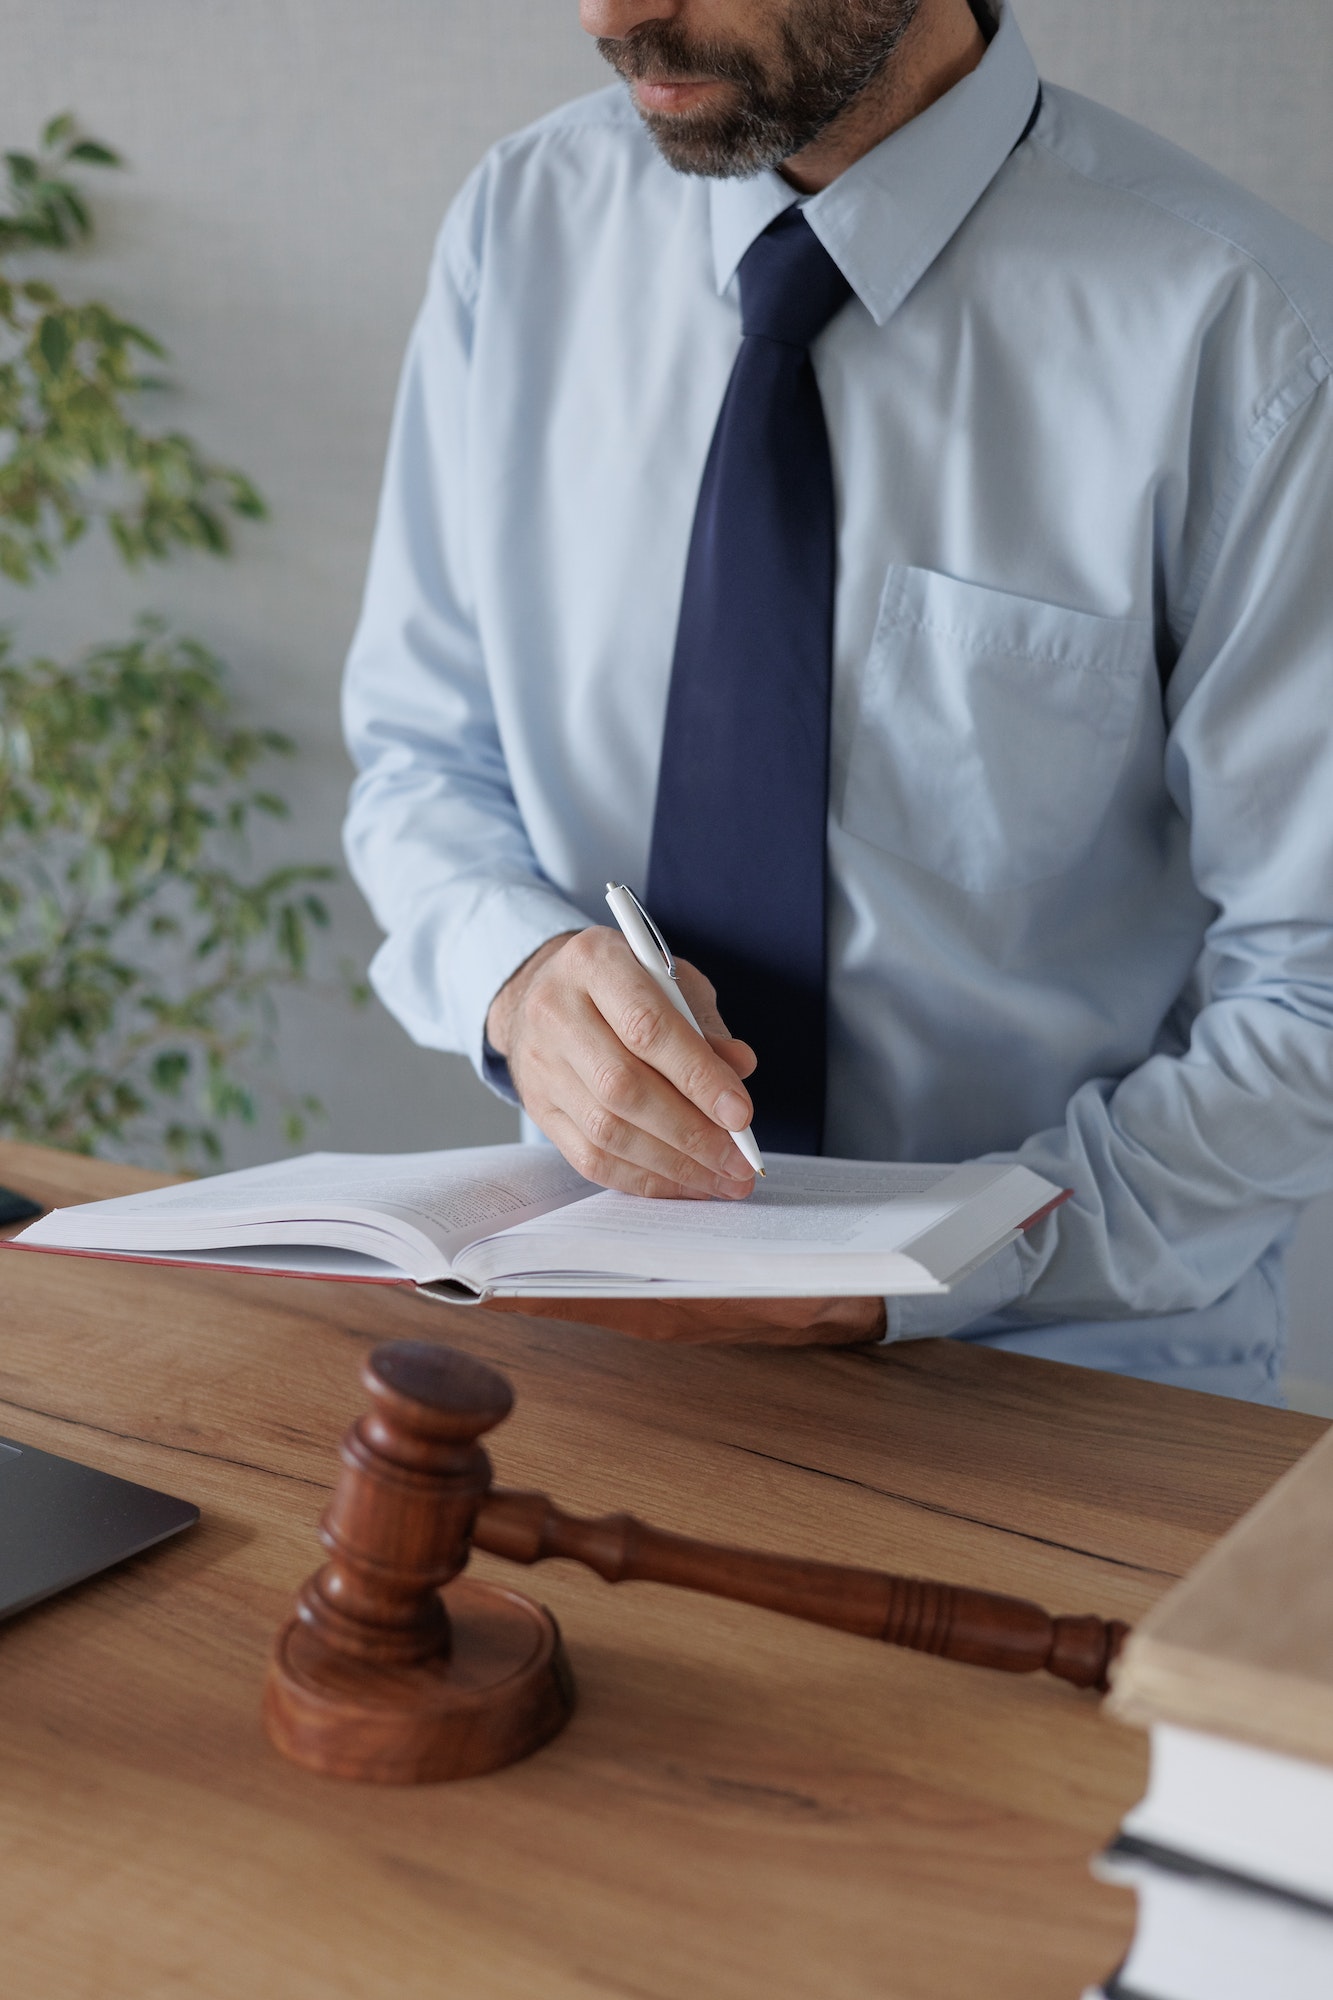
(398, 1668)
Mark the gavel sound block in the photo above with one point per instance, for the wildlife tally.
(398, 1668)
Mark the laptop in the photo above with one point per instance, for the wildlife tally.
(61, 1522)
(17, 1207)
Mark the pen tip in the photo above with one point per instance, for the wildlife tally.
(762, 1174)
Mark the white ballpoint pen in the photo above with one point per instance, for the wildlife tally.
(650, 948)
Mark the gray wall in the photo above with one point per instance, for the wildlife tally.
(291, 162)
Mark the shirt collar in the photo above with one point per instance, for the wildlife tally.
(887, 218)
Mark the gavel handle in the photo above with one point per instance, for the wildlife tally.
(977, 1626)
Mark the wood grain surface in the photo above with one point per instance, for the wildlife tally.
(741, 1806)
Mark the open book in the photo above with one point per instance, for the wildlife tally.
(518, 1221)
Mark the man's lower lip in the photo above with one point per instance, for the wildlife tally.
(672, 96)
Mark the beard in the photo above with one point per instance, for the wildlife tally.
(830, 51)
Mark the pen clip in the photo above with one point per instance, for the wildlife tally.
(658, 939)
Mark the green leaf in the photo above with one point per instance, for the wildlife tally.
(92, 153)
(246, 500)
(169, 1071)
(57, 130)
(66, 203)
(54, 341)
(136, 337)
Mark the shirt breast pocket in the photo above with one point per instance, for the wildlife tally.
(991, 729)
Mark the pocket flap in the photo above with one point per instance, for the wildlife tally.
(991, 730)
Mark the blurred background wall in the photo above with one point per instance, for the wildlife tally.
(291, 160)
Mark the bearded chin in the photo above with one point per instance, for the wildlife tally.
(831, 51)
(732, 145)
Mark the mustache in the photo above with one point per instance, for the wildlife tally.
(658, 52)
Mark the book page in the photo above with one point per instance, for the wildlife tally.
(804, 1209)
(446, 1198)
(801, 1204)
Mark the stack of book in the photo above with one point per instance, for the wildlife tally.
(1231, 1850)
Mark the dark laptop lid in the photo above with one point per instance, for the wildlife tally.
(61, 1522)
(17, 1207)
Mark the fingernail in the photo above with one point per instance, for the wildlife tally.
(733, 1110)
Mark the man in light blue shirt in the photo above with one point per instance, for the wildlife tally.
(1080, 830)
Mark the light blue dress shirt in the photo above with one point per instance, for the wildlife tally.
(1081, 796)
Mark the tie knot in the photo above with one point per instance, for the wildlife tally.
(790, 286)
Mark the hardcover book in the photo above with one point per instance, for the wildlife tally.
(519, 1222)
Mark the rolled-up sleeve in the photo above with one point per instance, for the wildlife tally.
(433, 836)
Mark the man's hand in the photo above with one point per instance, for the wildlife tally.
(616, 1078)
(719, 1322)
(619, 1081)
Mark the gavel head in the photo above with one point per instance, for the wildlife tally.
(395, 1666)
(399, 1524)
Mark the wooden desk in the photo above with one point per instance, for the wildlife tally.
(741, 1807)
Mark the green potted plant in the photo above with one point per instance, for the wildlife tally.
(141, 954)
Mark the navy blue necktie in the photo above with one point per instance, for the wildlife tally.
(736, 875)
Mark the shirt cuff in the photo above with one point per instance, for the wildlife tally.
(440, 975)
(997, 1283)
(495, 1070)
